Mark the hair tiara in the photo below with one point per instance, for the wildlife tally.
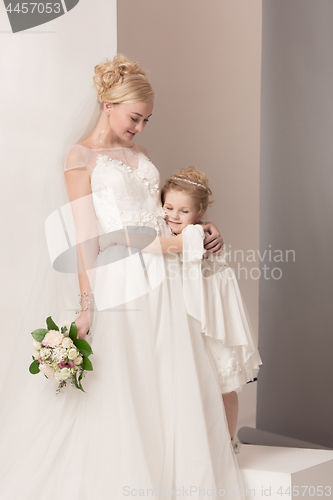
(187, 180)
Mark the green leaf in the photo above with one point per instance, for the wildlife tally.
(73, 331)
(79, 381)
(86, 364)
(51, 324)
(34, 367)
(74, 380)
(39, 334)
(76, 383)
(83, 346)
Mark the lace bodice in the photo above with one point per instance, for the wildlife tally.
(125, 186)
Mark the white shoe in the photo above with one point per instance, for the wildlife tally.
(236, 444)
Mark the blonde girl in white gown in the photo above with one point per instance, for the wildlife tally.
(151, 422)
(211, 291)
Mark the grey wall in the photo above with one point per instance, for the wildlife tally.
(295, 386)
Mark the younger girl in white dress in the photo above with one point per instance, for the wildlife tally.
(211, 291)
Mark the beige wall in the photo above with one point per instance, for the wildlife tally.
(204, 61)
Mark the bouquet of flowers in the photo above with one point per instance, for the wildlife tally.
(60, 355)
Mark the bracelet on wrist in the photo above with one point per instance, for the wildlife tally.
(87, 298)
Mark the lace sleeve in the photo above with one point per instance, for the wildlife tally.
(76, 158)
(143, 150)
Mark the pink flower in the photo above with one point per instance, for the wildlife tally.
(64, 364)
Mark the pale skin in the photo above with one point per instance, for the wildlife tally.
(116, 127)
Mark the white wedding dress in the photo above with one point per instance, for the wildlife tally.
(151, 422)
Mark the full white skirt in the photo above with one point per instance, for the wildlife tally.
(151, 422)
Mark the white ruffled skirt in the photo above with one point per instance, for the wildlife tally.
(212, 296)
(228, 335)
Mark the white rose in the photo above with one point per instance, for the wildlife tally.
(37, 345)
(78, 360)
(59, 354)
(65, 373)
(66, 342)
(67, 324)
(72, 354)
(53, 338)
(35, 353)
(48, 371)
(45, 353)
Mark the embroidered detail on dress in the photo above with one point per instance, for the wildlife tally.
(225, 358)
(214, 264)
(101, 197)
(152, 188)
(143, 218)
(104, 160)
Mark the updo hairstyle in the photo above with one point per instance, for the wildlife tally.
(182, 181)
(122, 81)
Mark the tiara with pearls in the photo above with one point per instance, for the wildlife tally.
(187, 180)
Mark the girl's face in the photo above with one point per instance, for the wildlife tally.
(180, 210)
(126, 120)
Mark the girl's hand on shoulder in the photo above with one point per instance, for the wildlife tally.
(214, 242)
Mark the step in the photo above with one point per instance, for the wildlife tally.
(281, 473)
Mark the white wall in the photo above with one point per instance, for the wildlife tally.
(45, 73)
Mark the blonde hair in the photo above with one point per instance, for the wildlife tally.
(194, 183)
(122, 81)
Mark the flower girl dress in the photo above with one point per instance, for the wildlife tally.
(151, 422)
(212, 296)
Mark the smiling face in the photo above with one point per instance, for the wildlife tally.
(181, 210)
(126, 120)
